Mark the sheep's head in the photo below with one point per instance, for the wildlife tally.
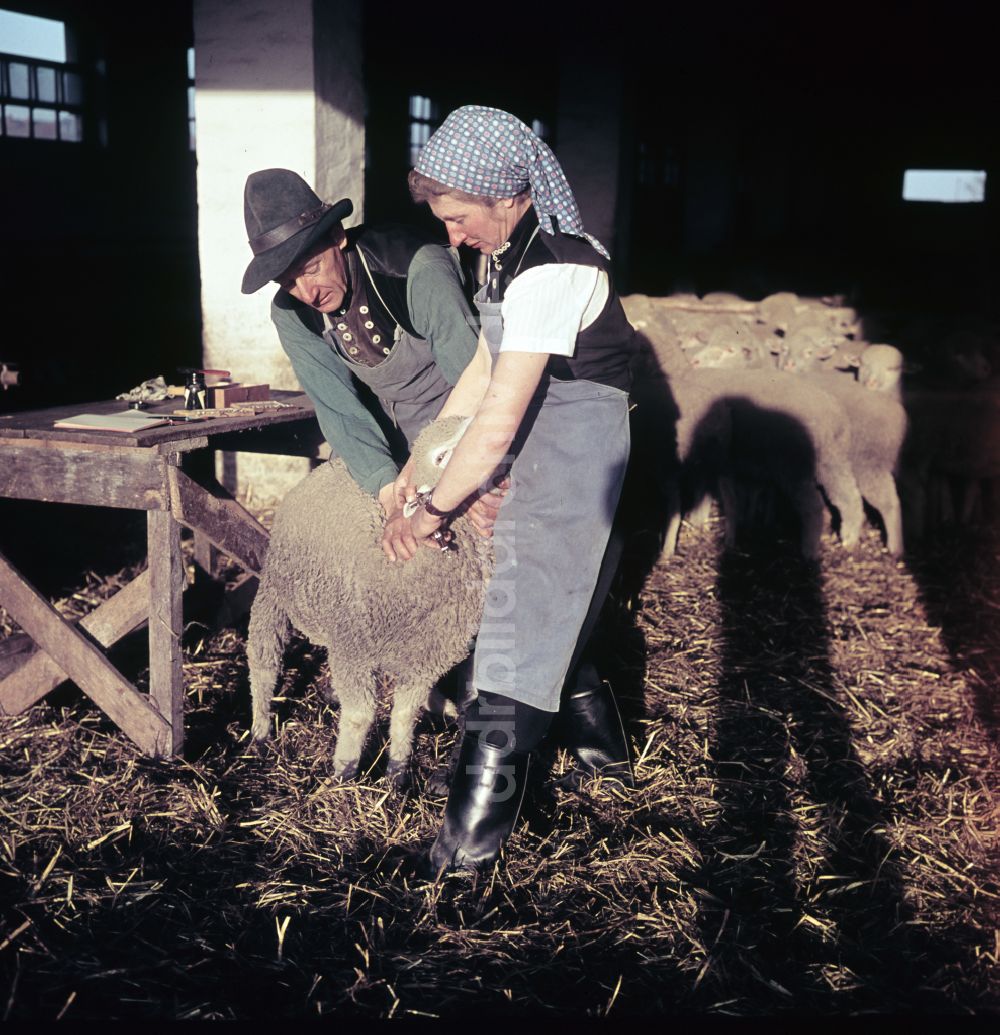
(880, 367)
(431, 452)
(806, 349)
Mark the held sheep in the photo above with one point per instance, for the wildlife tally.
(326, 575)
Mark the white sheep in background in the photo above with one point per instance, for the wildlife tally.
(880, 369)
(326, 575)
(878, 430)
(748, 353)
(780, 311)
(793, 436)
(788, 439)
(842, 321)
(807, 349)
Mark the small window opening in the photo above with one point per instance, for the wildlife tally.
(425, 117)
(947, 185)
(190, 95)
(41, 93)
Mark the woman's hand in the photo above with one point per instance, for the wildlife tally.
(402, 536)
(484, 509)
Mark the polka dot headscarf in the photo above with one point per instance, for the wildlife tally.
(490, 152)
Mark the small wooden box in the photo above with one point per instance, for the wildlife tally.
(220, 396)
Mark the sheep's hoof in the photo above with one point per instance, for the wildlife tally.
(345, 773)
(397, 775)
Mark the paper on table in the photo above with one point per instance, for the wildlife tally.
(126, 420)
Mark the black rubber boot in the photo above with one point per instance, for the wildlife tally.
(590, 727)
(485, 799)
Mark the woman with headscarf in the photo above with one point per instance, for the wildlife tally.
(548, 394)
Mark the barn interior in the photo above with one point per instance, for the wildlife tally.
(739, 148)
(745, 149)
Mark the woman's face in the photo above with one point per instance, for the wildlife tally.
(483, 227)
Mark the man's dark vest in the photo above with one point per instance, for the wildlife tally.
(605, 348)
(388, 252)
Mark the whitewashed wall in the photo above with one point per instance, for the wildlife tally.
(276, 85)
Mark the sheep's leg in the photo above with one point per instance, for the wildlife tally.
(267, 635)
(913, 497)
(880, 491)
(842, 490)
(809, 504)
(943, 503)
(356, 693)
(407, 703)
(672, 503)
(758, 506)
(972, 498)
(729, 499)
(701, 511)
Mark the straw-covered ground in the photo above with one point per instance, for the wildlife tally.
(815, 829)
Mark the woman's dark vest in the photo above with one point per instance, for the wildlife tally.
(605, 348)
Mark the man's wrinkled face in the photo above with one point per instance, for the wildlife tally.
(319, 279)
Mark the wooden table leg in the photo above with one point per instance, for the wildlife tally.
(205, 554)
(211, 510)
(107, 624)
(83, 662)
(166, 622)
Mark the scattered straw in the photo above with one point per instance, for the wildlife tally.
(815, 829)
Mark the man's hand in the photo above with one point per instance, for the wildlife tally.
(403, 536)
(403, 488)
(484, 509)
(387, 499)
(398, 541)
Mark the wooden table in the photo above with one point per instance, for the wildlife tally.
(140, 471)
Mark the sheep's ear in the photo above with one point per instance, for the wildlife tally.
(853, 360)
(826, 351)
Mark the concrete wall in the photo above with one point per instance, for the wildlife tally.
(276, 86)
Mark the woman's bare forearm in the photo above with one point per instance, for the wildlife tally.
(486, 443)
(467, 395)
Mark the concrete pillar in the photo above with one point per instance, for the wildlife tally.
(276, 85)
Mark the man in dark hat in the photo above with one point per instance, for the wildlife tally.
(375, 323)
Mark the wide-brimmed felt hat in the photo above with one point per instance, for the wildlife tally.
(284, 218)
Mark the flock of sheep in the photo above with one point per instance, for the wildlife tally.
(786, 394)
(736, 400)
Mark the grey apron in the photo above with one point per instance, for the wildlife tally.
(551, 531)
(408, 383)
